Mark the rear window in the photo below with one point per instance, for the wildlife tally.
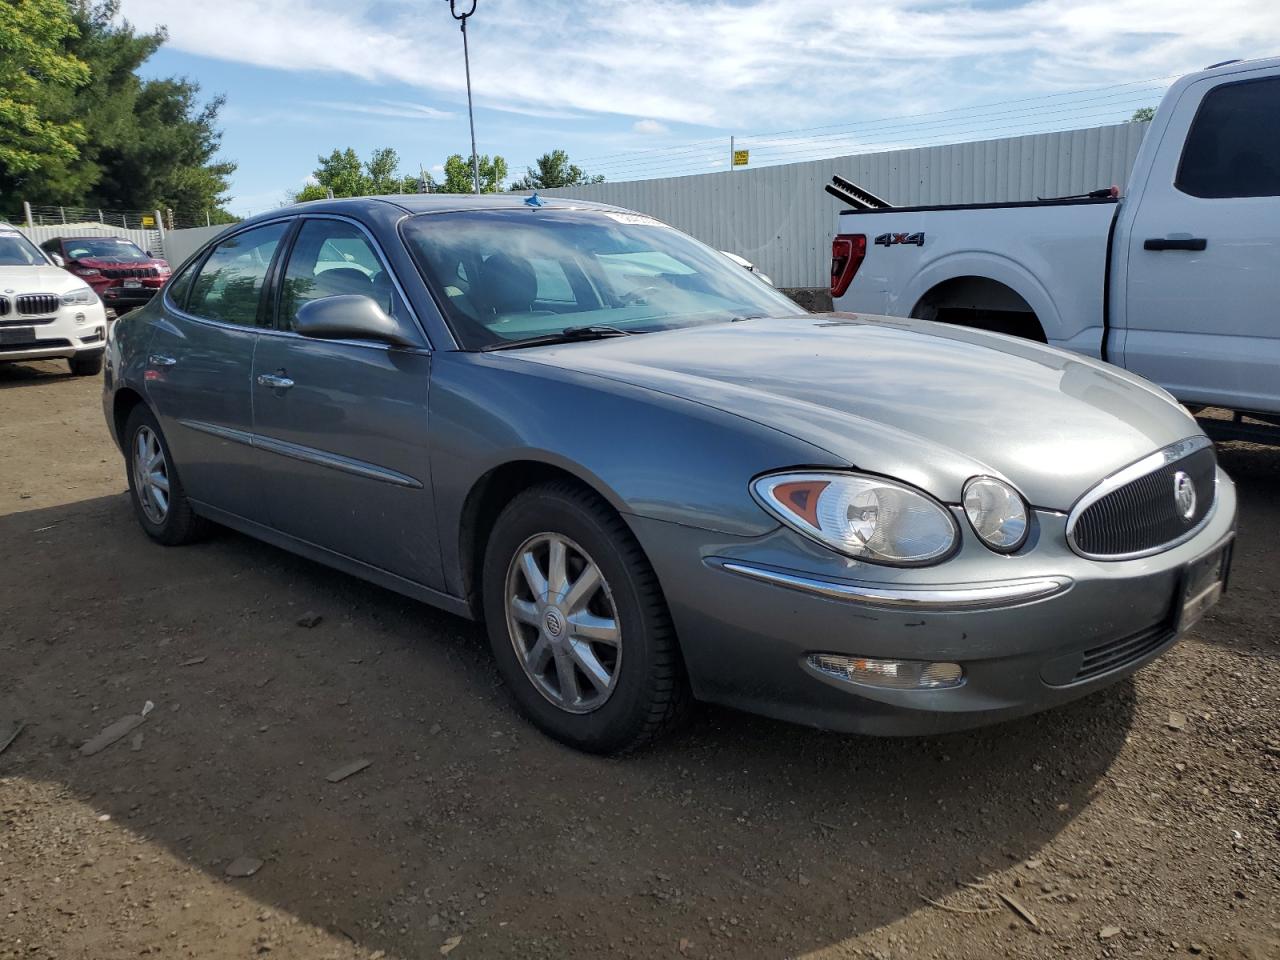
(1233, 146)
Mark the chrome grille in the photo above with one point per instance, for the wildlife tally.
(1136, 513)
(37, 304)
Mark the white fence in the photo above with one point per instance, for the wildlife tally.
(781, 219)
(152, 240)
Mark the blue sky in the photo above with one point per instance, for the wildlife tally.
(633, 88)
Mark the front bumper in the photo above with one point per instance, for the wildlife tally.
(1024, 627)
(70, 331)
(119, 296)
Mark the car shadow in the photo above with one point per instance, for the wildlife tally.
(468, 821)
(19, 373)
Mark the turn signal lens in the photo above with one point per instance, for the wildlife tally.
(867, 518)
(889, 674)
(997, 513)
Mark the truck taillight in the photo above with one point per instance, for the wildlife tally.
(847, 253)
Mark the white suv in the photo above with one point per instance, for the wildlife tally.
(45, 312)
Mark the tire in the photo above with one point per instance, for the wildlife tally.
(86, 364)
(174, 522)
(647, 692)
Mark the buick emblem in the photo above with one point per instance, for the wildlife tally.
(554, 623)
(1184, 495)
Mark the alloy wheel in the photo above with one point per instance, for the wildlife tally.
(150, 475)
(563, 623)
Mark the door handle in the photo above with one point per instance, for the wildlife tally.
(159, 360)
(274, 381)
(1170, 243)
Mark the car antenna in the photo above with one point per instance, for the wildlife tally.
(533, 200)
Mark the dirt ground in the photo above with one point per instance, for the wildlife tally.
(1141, 822)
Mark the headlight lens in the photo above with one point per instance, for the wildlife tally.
(997, 512)
(79, 295)
(867, 518)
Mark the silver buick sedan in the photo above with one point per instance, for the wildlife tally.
(656, 480)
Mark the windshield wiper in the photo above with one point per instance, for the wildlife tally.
(596, 331)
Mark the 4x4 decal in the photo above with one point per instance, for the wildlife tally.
(890, 239)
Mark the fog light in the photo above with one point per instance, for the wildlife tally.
(890, 674)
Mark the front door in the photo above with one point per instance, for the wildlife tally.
(1202, 303)
(199, 368)
(342, 425)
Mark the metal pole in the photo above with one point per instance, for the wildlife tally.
(26, 209)
(475, 158)
(731, 154)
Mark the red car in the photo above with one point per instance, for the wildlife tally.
(122, 275)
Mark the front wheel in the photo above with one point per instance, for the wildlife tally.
(159, 501)
(86, 364)
(578, 624)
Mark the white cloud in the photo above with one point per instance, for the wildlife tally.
(386, 108)
(650, 127)
(750, 64)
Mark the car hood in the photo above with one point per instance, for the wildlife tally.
(927, 403)
(44, 279)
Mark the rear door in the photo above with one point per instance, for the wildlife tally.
(342, 425)
(1202, 301)
(199, 367)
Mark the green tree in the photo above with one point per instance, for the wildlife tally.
(554, 170)
(458, 176)
(1142, 113)
(33, 59)
(344, 174)
(147, 143)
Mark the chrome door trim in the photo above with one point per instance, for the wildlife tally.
(943, 596)
(216, 430)
(297, 451)
(333, 461)
(1154, 461)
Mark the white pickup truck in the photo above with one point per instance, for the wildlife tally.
(1178, 280)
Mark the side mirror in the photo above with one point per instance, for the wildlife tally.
(349, 317)
(151, 255)
(57, 260)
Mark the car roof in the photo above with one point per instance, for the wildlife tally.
(411, 204)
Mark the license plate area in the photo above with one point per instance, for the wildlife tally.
(1203, 582)
(132, 284)
(17, 334)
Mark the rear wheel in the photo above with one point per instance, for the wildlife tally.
(159, 501)
(578, 624)
(86, 364)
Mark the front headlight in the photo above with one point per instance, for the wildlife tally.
(867, 518)
(80, 295)
(996, 510)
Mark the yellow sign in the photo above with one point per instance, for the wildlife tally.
(740, 157)
(148, 221)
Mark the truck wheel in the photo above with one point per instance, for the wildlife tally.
(86, 364)
(578, 624)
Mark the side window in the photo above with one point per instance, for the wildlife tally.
(1233, 146)
(178, 285)
(229, 285)
(332, 258)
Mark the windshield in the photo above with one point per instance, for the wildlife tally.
(17, 251)
(102, 248)
(508, 275)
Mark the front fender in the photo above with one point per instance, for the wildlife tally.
(649, 454)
